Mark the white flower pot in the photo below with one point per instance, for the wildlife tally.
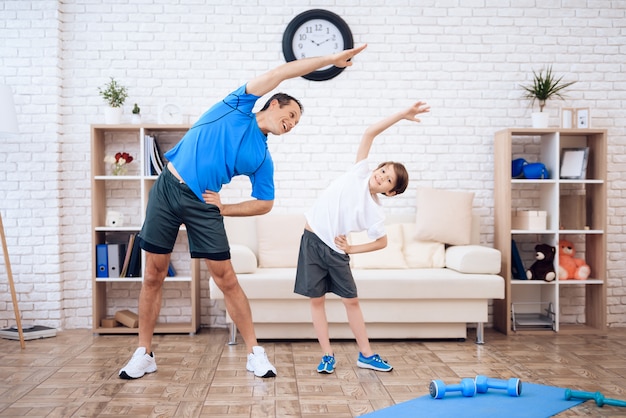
(112, 115)
(136, 118)
(540, 119)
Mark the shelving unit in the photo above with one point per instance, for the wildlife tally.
(128, 194)
(576, 306)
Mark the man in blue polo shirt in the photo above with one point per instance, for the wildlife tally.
(227, 141)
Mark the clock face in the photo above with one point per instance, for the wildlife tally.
(314, 33)
(171, 114)
(315, 38)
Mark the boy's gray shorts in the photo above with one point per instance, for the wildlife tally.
(322, 270)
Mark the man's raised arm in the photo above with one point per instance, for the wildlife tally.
(268, 81)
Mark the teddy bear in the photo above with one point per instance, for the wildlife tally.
(571, 267)
(543, 267)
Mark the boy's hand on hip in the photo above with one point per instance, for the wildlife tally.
(342, 243)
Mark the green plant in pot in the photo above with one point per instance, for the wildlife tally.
(545, 86)
(136, 118)
(114, 95)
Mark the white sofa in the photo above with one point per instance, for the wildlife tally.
(412, 289)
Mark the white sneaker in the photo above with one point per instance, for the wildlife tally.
(140, 364)
(259, 364)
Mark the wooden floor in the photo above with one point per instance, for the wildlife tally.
(75, 374)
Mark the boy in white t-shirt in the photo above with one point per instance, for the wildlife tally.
(349, 204)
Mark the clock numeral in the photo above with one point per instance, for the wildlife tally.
(300, 46)
(308, 29)
(302, 37)
(318, 27)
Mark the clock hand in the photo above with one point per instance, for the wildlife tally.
(318, 44)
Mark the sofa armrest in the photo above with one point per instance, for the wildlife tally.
(243, 259)
(473, 259)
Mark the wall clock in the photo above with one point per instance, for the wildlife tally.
(171, 114)
(314, 33)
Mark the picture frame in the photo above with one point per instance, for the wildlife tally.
(568, 115)
(517, 266)
(574, 163)
(582, 118)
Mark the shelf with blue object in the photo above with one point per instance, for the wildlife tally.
(118, 205)
(563, 194)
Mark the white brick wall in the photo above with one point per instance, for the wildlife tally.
(466, 58)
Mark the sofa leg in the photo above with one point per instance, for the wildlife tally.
(480, 333)
(233, 334)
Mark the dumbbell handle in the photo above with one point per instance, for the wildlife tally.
(513, 386)
(596, 396)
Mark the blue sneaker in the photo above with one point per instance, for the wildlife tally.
(374, 362)
(327, 365)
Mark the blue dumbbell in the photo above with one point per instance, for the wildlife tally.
(513, 386)
(438, 389)
(596, 396)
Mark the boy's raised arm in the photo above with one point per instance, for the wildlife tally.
(375, 129)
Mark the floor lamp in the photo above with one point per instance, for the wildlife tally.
(8, 124)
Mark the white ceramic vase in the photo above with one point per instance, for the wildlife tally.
(112, 115)
(136, 118)
(540, 119)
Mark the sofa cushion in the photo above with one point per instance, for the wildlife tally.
(243, 259)
(444, 216)
(407, 284)
(279, 239)
(421, 254)
(471, 259)
(390, 257)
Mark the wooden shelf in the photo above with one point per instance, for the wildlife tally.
(105, 195)
(170, 328)
(546, 145)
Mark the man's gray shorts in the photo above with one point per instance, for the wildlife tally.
(322, 270)
(171, 204)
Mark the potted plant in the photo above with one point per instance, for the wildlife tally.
(114, 95)
(136, 114)
(544, 87)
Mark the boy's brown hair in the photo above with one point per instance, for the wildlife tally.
(402, 176)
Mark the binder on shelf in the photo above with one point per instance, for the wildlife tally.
(102, 263)
(134, 264)
(116, 253)
(171, 272)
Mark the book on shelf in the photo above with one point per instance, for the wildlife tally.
(129, 250)
(154, 162)
(517, 266)
(134, 263)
